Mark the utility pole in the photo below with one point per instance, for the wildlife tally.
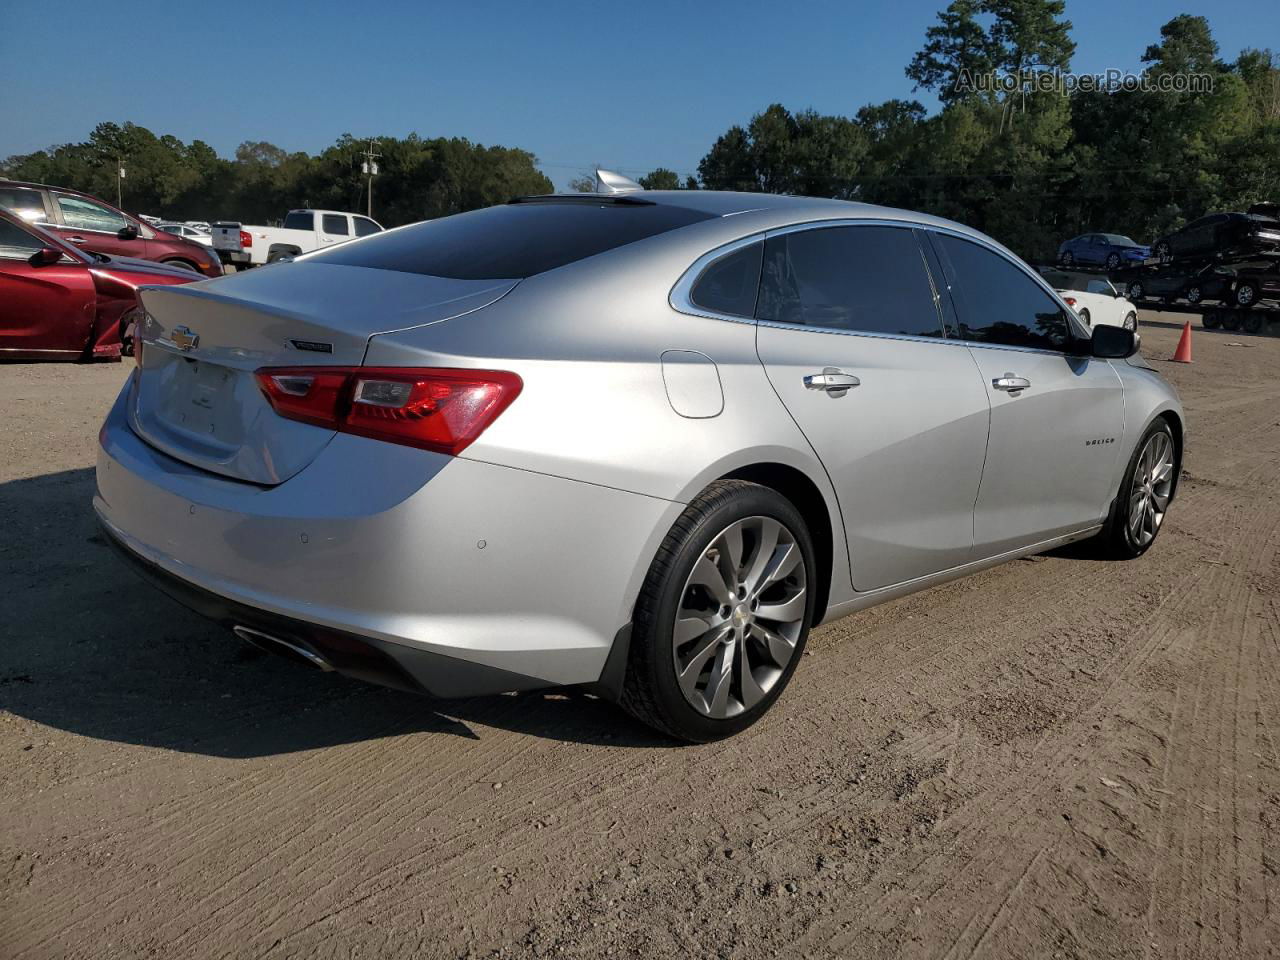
(370, 168)
(119, 183)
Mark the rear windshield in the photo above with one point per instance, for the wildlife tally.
(299, 220)
(513, 241)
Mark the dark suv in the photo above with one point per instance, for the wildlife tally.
(1223, 234)
(98, 227)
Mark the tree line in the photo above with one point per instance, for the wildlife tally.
(1031, 161)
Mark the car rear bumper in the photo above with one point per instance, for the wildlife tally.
(393, 564)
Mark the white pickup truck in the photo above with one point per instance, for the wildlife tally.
(303, 231)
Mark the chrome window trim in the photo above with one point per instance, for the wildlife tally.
(681, 301)
(1072, 320)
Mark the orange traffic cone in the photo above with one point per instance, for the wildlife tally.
(1183, 353)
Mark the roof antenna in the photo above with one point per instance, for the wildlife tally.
(609, 182)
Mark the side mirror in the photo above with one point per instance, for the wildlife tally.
(128, 232)
(45, 257)
(1113, 343)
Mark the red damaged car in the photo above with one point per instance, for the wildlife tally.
(58, 302)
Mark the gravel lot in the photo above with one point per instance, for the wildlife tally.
(1058, 758)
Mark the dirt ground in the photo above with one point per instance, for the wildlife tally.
(1058, 758)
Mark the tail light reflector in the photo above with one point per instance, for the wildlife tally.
(246, 239)
(434, 408)
(1069, 301)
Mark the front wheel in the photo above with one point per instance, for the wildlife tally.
(182, 265)
(1163, 252)
(1144, 496)
(1113, 261)
(723, 615)
(1135, 290)
(1131, 322)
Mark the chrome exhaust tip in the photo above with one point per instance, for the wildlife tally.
(284, 648)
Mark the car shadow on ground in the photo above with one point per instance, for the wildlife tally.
(90, 648)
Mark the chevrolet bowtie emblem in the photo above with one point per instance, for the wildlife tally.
(183, 338)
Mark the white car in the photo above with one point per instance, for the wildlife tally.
(184, 230)
(1093, 298)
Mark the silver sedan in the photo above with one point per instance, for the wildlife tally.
(641, 442)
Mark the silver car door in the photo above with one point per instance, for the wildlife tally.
(850, 334)
(1056, 416)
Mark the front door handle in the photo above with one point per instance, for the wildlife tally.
(832, 380)
(76, 239)
(1010, 383)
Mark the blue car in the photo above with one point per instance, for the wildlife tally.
(1110, 250)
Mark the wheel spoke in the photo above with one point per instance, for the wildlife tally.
(766, 542)
(733, 550)
(688, 677)
(786, 611)
(751, 692)
(690, 628)
(779, 647)
(721, 680)
(707, 574)
(1161, 500)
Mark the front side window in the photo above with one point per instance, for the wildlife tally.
(25, 202)
(16, 243)
(729, 284)
(866, 279)
(365, 227)
(81, 214)
(335, 224)
(997, 302)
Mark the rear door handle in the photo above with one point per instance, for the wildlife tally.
(76, 239)
(1010, 383)
(832, 380)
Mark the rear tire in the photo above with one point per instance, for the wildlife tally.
(1252, 322)
(1144, 497)
(1113, 261)
(1131, 322)
(1246, 294)
(1231, 320)
(1211, 320)
(1135, 290)
(733, 663)
(1084, 315)
(182, 265)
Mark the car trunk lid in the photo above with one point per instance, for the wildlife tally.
(196, 397)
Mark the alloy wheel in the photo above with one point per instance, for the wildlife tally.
(1245, 294)
(741, 614)
(1151, 489)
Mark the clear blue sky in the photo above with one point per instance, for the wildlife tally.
(632, 86)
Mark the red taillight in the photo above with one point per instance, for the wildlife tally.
(246, 239)
(1069, 301)
(432, 408)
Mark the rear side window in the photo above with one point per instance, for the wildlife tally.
(365, 226)
(997, 302)
(512, 241)
(864, 278)
(729, 284)
(335, 224)
(300, 220)
(26, 203)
